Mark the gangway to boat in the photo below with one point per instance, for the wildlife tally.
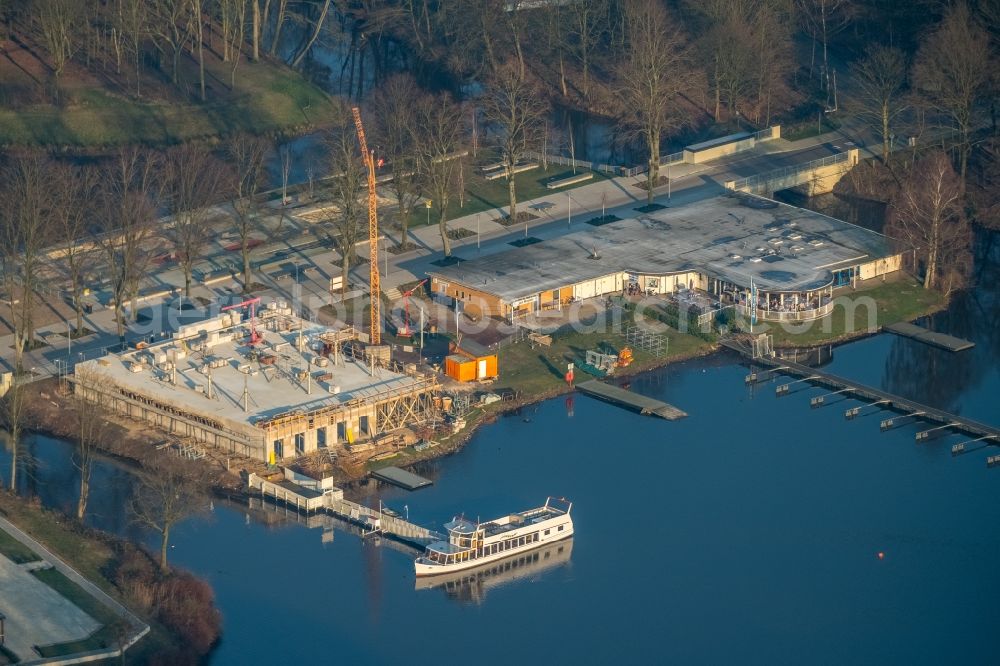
(369, 520)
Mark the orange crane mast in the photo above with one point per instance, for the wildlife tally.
(375, 336)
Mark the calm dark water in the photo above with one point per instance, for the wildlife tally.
(746, 533)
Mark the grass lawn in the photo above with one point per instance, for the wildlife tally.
(805, 129)
(90, 557)
(491, 195)
(268, 97)
(87, 556)
(16, 551)
(540, 370)
(900, 300)
(103, 637)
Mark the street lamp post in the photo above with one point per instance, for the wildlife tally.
(477, 232)
(569, 208)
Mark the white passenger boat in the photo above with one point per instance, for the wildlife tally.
(471, 585)
(473, 544)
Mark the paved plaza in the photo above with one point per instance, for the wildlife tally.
(37, 614)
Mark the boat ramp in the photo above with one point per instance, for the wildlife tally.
(619, 396)
(920, 334)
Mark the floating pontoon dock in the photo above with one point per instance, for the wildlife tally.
(332, 501)
(402, 478)
(620, 396)
(920, 334)
(878, 398)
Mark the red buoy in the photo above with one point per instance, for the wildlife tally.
(881, 555)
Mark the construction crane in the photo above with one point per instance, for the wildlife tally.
(253, 303)
(375, 336)
(407, 329)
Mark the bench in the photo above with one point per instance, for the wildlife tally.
(493, 175)
(571, 180)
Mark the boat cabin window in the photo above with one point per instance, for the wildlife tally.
(560, 528)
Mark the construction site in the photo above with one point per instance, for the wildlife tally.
(269, 386)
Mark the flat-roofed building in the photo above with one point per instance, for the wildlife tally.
(297, 389)
(722, 246)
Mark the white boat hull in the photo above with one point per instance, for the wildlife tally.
(423, 568)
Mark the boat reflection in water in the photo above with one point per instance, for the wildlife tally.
(471, 585)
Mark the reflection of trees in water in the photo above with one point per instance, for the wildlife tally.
(51, 476)
(939, 377)
(929, 375)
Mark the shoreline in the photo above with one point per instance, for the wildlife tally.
(459, 440)
(48, 393)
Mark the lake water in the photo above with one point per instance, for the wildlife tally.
(748, 532)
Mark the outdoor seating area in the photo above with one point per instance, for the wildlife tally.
(794, 308)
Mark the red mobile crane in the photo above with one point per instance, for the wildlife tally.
(253, 303)
(406, 328)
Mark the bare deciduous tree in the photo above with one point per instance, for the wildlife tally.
(168, 493)
(130, 183)
(348, 192)
(279, 22)
(169, 27)
(247, 155)
(880, 78)
(515, 109)
(823, 19)
(25, 229)
(316, 28)
(196, 29)
(954, 72)
(233, 19)
(438, 133)
(90, 421)
(392, 109)
(131, 21)
(195, 180)
(13, 412)
(928, 215)
(74, 192)
(652, 73)
(587, 21)
(57, 21)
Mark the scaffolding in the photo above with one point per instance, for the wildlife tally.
(653, 343)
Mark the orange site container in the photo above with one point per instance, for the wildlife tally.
(470, 369)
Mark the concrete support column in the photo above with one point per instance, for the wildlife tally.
(310, 444)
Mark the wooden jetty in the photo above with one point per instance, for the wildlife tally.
(331, 501)
(620, 396)
(877, 397)
(402, 478)
(939, 340)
